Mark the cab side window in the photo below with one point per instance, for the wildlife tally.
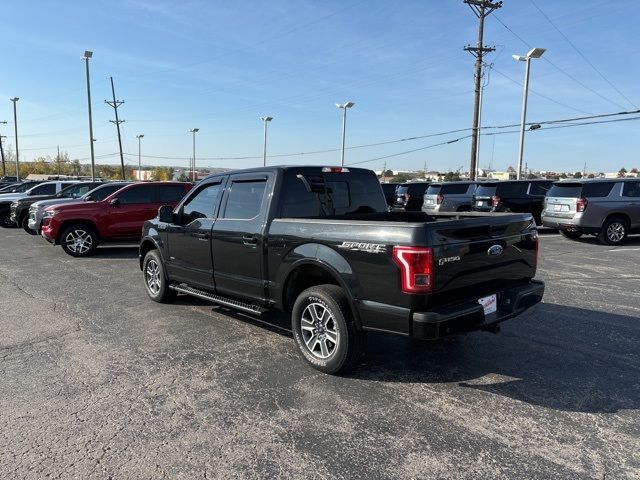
(203, 204)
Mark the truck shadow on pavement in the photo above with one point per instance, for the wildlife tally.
(553, 356)
(116, 251)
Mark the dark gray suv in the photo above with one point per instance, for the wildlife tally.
(609, 209)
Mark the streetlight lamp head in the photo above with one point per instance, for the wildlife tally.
(140, 136)
(520, 58)
(345, 105)
(194, 130)
(88, 54)
(15, 99)
(536, 52)
(266, 119)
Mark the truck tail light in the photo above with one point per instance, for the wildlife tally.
(406, 197)
(335, 170)
(581, 204)
(495, 201)
(439, 199)
(416, 268)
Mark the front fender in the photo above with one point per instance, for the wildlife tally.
(150, 241)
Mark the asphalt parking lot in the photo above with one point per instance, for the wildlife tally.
(100, 382)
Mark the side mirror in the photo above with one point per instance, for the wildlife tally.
(165, 214)
(88, 198)
(114, 201)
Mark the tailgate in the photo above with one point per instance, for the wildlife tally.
(481, 255)
(560, 207)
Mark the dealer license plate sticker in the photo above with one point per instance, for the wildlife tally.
(489, 304)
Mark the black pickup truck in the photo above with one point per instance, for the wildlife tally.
(319, 242)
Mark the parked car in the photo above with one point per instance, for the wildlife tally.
(36, 210)
(320, 243)
(36, 190)
(610, 209)
(20, 208)
(389, 190)
(517, 196)
(409, 197)
(80, 227)
(18, 187)
(449, 197)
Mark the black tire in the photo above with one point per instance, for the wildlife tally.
(571, 234)
(614, 231)
(79, 240)
(5, 219)
(155, 279)
(25, 226)
(320, 350)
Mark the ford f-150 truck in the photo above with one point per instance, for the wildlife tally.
(319, 242)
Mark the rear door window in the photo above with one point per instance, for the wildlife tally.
(597, 189)
(455, 189)
(170, 193)
(565, 190)
(631, 189)
(245, 199)
(137, 194)
(433, 190)
(44, 189)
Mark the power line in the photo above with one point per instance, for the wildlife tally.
(582, 54)
(560, 69)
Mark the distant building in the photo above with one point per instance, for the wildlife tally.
(502, 175)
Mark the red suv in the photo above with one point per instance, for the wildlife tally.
(80, 227)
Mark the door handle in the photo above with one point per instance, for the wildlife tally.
(249, 240)
(203, 236)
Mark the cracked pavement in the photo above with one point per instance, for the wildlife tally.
(100, 382)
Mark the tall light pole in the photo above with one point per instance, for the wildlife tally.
(193, 159)
(139, 137)
(4, 167)
(264, 150)
(87, 55)
(344, 107)
(15, 129)
(533, 53)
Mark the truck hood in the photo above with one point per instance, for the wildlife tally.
(77, 207)
(11, 197)
(55, 201)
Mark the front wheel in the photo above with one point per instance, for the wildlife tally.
(5, 219)
(25, 226)
(79, 240)
(613, 232)
(155, 280)
(324, 330)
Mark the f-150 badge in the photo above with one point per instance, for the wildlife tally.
(363, 247)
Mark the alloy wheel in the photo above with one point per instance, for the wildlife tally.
(152, 274)
(616, 232)
(79, 241)
(319, 331)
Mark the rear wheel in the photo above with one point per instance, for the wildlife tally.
(155, 280)
(573, 235)
(79, 240)
(324, 330)
(25, 226)
(614, 231)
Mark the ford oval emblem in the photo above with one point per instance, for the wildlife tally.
(495, 250)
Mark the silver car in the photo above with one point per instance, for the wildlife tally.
(609, 209)
(36, 210)
(449, 197)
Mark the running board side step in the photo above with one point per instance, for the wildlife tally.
(212, 297)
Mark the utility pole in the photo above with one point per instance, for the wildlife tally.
(115, 104)
(58, 161)
(87, 55)
(384, 171)
(4, 167)
(425, 170)
(482, 8)
(15, 129)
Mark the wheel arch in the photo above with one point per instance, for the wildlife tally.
(86, 222)
(621, 215)
(146, 245)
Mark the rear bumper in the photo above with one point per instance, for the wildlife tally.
(470, 315)
(460, 318)
(572, 224)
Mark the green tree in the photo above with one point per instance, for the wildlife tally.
(577, 175)
(183, 177)
(591, 175)
(622, 172)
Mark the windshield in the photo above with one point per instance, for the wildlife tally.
(23, 187)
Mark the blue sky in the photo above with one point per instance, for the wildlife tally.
(219, 66)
